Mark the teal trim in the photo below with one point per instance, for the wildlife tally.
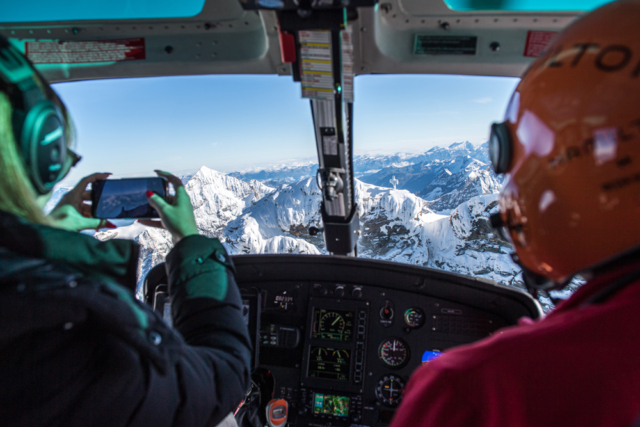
(526, 5)
(74, 10)
(52, 136)
(123, 295)
(55, 167)
(212, 285)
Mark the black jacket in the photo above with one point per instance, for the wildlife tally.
(77, 349)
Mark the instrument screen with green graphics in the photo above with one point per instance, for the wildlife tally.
(335, 325)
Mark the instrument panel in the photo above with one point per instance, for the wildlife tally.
(342, 351)
(345, 360)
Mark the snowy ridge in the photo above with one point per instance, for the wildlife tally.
(439, 221)
(218, 198)
(280, 174)
(465, 243)
(462, 179)
(277, 219)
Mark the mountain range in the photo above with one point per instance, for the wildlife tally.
(437, 216)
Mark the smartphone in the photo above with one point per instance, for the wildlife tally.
(125, 198)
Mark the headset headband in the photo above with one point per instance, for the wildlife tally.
(39, 120)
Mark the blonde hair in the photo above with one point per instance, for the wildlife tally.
(17, 195)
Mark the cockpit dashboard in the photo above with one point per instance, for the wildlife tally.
(340, 336)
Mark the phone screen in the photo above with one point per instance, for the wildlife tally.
(125, 198)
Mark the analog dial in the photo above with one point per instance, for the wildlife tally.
(332, 322)
(414, 317)
(389, 390)
(394, 352)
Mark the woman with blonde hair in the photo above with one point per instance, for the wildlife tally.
(77, 347)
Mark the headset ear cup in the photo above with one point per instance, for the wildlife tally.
(500, 147)
(44, 146)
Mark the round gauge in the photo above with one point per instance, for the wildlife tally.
(414, 317)
(389, 390)
(332, 322)
(394, 352)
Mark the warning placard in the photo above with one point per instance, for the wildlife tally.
(80, 52)
(347, 64)
(315, 61)
(445, 45)
(537, 41)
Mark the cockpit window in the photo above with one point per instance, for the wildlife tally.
(71, 10)
(525, 5)
(425, 183)
(244, 147)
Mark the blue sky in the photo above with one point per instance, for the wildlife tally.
(229, 123)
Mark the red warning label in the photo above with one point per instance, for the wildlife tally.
(80, 52)
(537, 41)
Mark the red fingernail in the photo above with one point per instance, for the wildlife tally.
(150, 193)
(111, 225)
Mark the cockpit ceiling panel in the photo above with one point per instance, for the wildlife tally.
(243, 44)
(499, 48)
(394, 37)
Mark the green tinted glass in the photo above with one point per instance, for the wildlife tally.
(77, 10)
(526, 5)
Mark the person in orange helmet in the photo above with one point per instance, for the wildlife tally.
(570, 146)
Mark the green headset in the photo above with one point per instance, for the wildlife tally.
(41, 125)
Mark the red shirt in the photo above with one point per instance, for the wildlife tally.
(579, 366)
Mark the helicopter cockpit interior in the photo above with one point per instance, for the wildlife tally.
(339, 336)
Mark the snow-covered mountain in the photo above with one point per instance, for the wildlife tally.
(280, 174)
(462, 179)
(446, 177)
(440, 221)
(275, 223)
(396, 226)
(218, 198)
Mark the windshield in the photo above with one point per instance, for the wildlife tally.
(525, 5)
(71, 10)
(244, 147)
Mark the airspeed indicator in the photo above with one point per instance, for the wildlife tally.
(394, 352)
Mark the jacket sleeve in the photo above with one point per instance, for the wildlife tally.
(214, 370)
(433, 398)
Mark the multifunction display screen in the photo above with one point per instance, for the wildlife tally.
(329, 363)
(330, 404)
(336, 325)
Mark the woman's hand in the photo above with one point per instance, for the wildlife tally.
(73, 213)
(176, 213)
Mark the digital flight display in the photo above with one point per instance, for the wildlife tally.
(329, 363)
(428, 356)
(336, 325)
(330, 404)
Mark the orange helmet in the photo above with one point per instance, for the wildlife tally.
(571, 148)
